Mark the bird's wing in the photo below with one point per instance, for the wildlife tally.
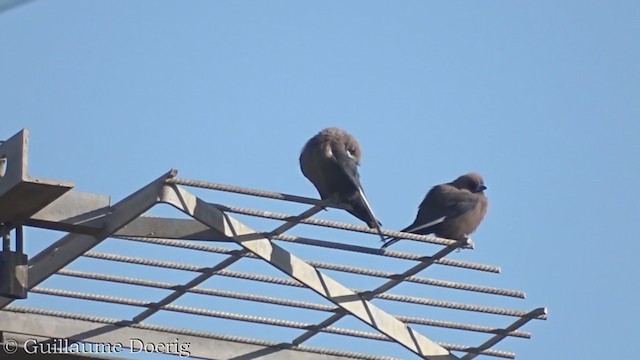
(442, 203)
(459, 202)
(348, 164)
(313, 168)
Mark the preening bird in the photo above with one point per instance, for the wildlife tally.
(330, 161)
(452, 210)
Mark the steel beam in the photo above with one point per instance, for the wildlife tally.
(210, 272)
(73, 212)
(169, 228)
(45, 326)
(368, 295)
(21, 195)
(71, 246)
(333, 291)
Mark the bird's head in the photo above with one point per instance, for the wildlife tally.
(471, 181)
(344, 139)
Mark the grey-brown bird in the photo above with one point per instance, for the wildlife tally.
(452, 210)
(330, 161)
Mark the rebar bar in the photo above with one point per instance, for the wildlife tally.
(187, 332)
(340, 225)
(290, 282)
(246, 318)
(344, 268)
(279, 301)
(321, 243)
(499, 337)
(253, 192)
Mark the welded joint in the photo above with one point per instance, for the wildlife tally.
(103, 224)
(473, 352)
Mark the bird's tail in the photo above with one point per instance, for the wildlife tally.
(413, 228)
(388, 241)
(363, 211)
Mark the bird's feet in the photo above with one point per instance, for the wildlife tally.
(467, 238)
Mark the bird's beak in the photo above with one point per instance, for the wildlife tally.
(481, 188)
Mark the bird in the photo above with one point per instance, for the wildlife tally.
(453, 210)
(330, 160)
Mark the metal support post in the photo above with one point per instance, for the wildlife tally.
(71, 246)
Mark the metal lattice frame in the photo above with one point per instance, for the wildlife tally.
(90, 219)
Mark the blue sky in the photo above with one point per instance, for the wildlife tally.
(541, 97)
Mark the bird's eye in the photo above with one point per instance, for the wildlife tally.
(350, 152)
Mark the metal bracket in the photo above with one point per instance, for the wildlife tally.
(13, 265)
(13, 274)
(20, 195)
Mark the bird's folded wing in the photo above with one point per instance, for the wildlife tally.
(346, 163)
(349, 165)
(441, 204)
(456, 203)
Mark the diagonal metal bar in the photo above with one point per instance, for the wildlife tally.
(333, 291)
(473, 352)
(381, 289)
(210, 272)
(71, 246)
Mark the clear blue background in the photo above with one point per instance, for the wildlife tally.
(541, 97)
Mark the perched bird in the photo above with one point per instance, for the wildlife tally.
(330, 161)
(453, 210)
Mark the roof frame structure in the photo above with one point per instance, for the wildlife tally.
(351, 302)
(90, 219)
